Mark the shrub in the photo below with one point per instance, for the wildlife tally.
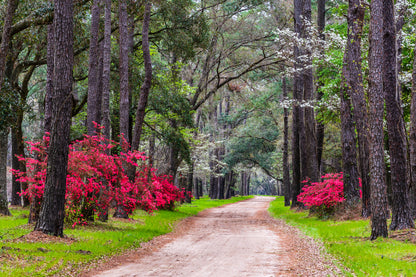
(97, 179)
(322, 197)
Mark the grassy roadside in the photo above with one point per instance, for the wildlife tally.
(22, 258)
(348, 242)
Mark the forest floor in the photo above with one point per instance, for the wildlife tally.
(239, 239)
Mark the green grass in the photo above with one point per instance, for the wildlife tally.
(348, 242)
(93, 242)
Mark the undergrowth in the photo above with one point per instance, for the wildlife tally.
(348, 242)
(91, 242)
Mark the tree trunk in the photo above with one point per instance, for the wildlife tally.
(201, 187)
(105, 103)
(35, 205)
(221, 187)
(49, 78)
(354, 89)
(94, 94)
(51, 218)
(296, 117)
(376, 100)
(309, 116)
(4, 210)
(105, 116)
(320, 127)
(245, 183)
(195, 190)
(349, 153)
(4, 50)
(93, 104)
(401, 213)
(18, 145)
(189, 184)
(412, 140)
(151, 154)
(286, 177)
(213, 182)
(124, 70)
(230, 180)
(352, 86)
(16, 188)
(214, 176)
(242, 183)
(124, 88)
(105, 82)
(6, 36)
(247, 189)
(18, 150)
(145, 89)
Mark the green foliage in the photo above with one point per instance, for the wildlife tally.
(78, 127)
(184, 31)
(255, 128)
(332, 154)
(9, 103)
(93, 242)
(254, 144)
(169, 109)
(348, 242)
(238, 5)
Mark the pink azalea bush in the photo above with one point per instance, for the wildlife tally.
(96, 179)
(323, 196)
(327, 193)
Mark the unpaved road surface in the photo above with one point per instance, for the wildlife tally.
(239, 239)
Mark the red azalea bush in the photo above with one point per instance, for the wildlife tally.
(97, 179)
(323, 196)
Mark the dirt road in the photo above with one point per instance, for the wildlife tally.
(240, 239)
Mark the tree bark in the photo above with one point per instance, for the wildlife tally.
(286, 177)
(35, 205)
(412, 140)
(16, 188)
(17, 150)
(145, 89)
(124, 70)
(296, 117)
(221, 187)
(196, 188)
(18, 145)
(308, 94)
(151, 154)
(94, 87)
(352, 85)
(376, 99)
(401, 213)
(213, 156)
(320, 127)
(4, 210)
(4, 50)
(94, 102)
(49, 78)
(356, 92)
(124, 46)
(105, 116)
(189, 183)
(51, 218)
(201, 187)
(6, 36)
(349, 152)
